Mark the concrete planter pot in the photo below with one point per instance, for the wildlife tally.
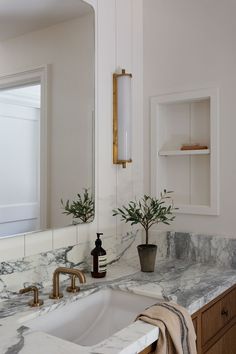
(147, 255)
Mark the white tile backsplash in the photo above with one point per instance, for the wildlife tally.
(64, 237)
(86, 232)
(82, 233)
(38, 242)
(12, 248)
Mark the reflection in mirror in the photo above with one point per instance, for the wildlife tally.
(46, 114)
(19, 156)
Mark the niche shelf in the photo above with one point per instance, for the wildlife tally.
(186, 118)
(183, 152)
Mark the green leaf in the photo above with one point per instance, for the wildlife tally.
(148, 211)
(81, 208)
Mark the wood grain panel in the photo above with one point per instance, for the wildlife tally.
(215, 326)
(218, 315)
(226, 344)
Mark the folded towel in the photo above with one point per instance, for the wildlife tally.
(177, 334)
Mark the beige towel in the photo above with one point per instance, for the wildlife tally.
(177, 334)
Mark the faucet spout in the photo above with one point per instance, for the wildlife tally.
(56, 283)
(36, 302)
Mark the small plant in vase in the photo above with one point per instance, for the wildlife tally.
(147, 212)
(81, 209)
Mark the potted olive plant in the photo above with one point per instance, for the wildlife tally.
(147, 212)
(81, 209)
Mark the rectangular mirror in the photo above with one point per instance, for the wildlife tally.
(47, 102)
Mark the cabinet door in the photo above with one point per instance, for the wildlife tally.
(218, 315)
(225, 345)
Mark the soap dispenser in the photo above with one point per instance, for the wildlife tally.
(99, 262)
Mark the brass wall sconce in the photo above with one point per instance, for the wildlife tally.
(122, 118)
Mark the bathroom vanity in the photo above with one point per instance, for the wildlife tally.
(191, 270)
(207, 291)
(215, 326)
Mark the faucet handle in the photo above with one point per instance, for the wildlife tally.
(73, 288)
(36, 302)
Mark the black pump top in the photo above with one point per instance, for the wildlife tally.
(98, 242)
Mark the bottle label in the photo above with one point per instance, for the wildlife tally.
(102, 264)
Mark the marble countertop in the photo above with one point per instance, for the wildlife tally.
(191, 285)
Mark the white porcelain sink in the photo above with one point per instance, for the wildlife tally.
(92, 319)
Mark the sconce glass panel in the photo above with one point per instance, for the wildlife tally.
(122, 119)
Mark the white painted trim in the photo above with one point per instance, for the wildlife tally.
(186, 96)
(21, 77)
(137, 108)
(154, 149)
(215, 152)
(196, 209)
(44, 79)
(93, 3)
(94, 223)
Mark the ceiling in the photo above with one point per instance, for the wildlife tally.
(18, 17)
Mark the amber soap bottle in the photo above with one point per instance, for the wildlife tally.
(99, 259)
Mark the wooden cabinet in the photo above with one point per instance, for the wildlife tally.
(226, 344)
(215, 326)
(218, 315)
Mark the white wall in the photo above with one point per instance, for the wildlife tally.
(70, 101)
(118, 44)
(191, 44)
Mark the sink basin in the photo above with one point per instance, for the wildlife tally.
(92, 319)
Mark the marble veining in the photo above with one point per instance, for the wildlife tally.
(191, 270)
(38, 269)
(190, 284)
(202, 248)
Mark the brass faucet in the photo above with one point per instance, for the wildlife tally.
(71, 271)
(36, 302)
(73, 288)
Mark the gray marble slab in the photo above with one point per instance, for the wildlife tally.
(191, 270)
(190, 284)
(202, 248)
(38, 269)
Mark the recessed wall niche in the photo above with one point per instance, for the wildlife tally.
(186, 118)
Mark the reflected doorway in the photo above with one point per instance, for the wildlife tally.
(20, 159)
